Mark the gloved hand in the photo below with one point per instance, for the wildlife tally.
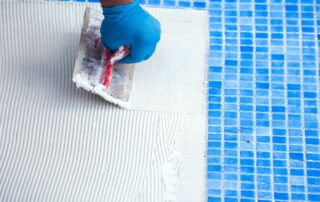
(130, 25)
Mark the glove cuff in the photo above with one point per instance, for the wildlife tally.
(120, 9)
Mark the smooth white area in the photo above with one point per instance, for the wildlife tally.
(60, 143)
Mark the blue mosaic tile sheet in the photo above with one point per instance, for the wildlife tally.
(263, 133)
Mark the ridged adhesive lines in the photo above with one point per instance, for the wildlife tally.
(69, 150)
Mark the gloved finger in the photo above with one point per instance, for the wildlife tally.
(139, 52)
(152, 50)
(112, 45)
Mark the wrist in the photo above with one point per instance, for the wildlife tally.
(112, 3)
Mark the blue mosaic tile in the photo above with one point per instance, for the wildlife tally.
(268, 99)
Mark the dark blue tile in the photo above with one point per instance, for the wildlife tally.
(278, 109)
(263, 155)
(247, 162)
(214, 136)
(184, 4)
(200, 5)
(214, 144)
(214, 113)
(312, 141)
(277, 57)
(276, 139)
(229, 129)
(298, 197)
(313, 173)
(154, 2)
(246, 49)
(215, 34)
(309, 95)
(312, 133)
(262, 108)
(281, 196)
(230, 13)
(296, 156)
(231, 20)
(261, 35)
(231, 62)
(213, 168)
(248, 194)
(247, 178)
(313, 197)
(293, 86)
(214, 199)
(311, 164)
(262, 85)
(291, 8)
(230, 145)
(307, 15)
(260, 7)
(313, 181)
(279, 163)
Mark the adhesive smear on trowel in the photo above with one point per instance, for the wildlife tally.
(89, 68)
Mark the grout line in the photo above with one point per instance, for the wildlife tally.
(222, 98)
(270, 105)
(256, 191)
(286, 99)
(238, 101)
(302, 101)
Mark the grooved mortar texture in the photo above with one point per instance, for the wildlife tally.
(60, 143)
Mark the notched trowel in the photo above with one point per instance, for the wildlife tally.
(96, 68)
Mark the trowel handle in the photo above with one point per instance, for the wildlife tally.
(110, 59)
(119, 54)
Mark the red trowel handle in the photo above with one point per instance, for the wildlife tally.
(110, 59)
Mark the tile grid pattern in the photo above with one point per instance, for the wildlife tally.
(263, 110)
(263, 141)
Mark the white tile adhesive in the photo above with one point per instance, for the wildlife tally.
(60, 143)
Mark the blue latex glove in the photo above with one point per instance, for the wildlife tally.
(130, 25)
